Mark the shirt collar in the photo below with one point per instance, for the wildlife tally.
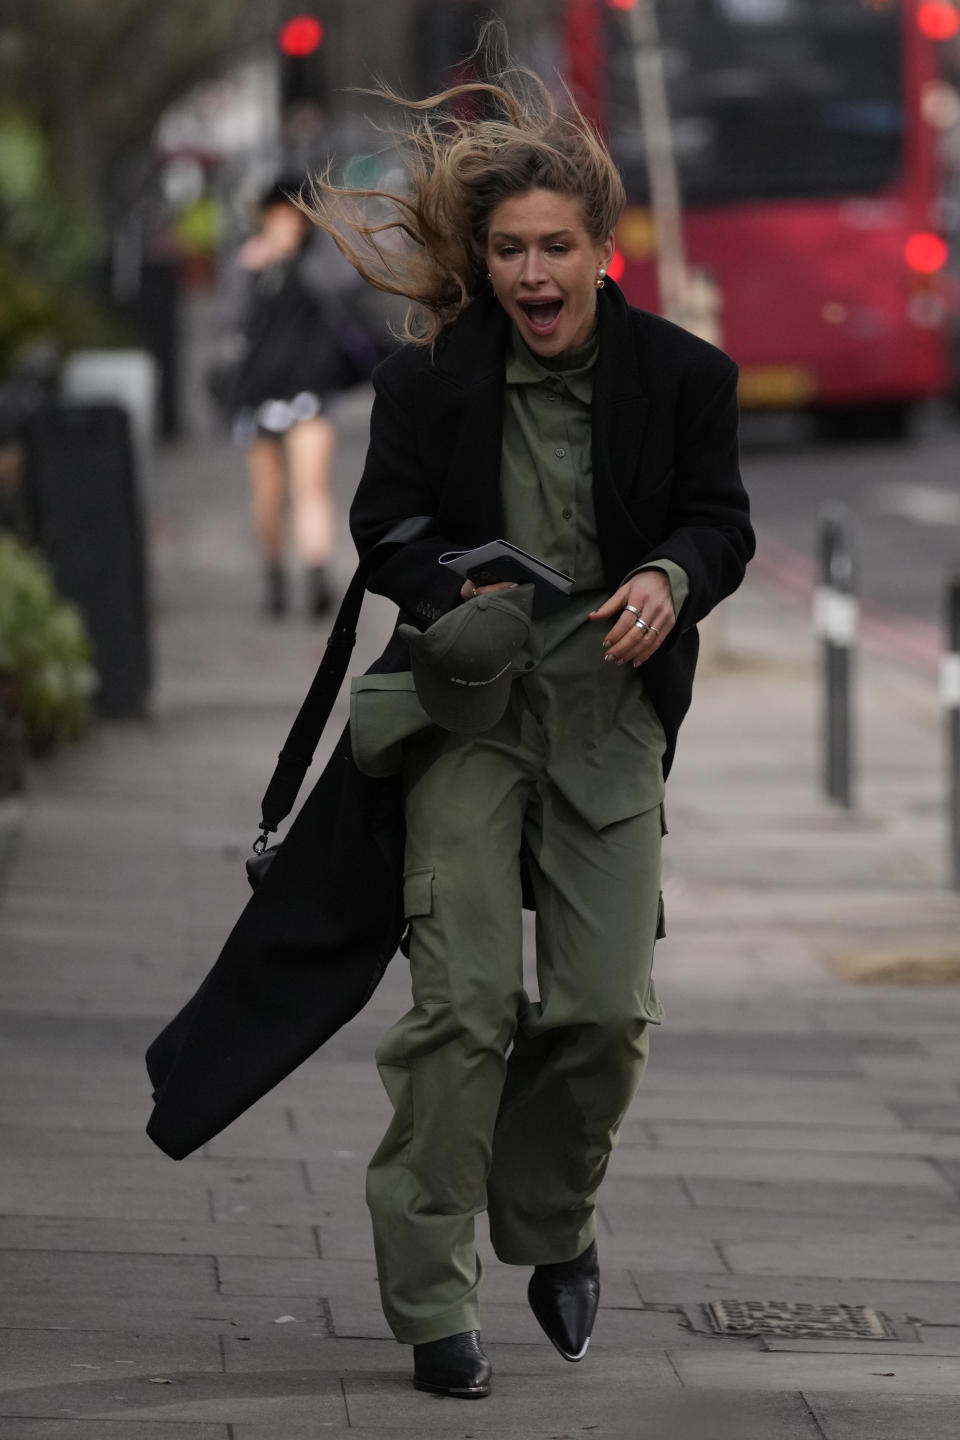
(574, 367)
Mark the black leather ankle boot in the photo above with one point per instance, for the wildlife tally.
(564, 1298)
(454, 1366)
(275, 591)
(319, 594)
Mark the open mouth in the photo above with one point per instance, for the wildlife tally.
(542, 315)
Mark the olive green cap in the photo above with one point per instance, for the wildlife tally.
(462, 664)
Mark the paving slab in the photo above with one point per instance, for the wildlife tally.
(812, 1197)
(690, 1415)
(164, 1313)
(190, 1395)
(868, 1416)
(48, 1274)
(156, 1237)
(755, 1370)
(906, 1256)
(60, 1357)
(632, 1225)
(814, 1055)
(64, 1429)
(925, 1081)
(99, 1188)
(59, 1141)
(761, 1108)
(828, 1167)
(842, 1140)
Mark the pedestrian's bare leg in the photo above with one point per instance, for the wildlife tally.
(310, 446)
(265, 463)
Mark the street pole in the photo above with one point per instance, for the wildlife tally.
(661, 158)
(950, 695)
(835, 621)
(691, 299)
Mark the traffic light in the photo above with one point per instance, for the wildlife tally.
(302, 70)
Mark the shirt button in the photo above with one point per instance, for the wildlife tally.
(528, 664)
(552, 395)
(567, 513)
(559, 452)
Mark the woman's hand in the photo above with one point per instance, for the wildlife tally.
(644, 611)
(468, 590)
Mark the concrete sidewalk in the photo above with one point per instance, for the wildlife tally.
(797, 1139)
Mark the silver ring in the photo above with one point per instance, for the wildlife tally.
(653, 630)
(633, 610)
(641, 625)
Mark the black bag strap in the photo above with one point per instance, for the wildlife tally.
(297, 754)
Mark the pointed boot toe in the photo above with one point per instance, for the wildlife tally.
(455, 1366)
(564, 1299)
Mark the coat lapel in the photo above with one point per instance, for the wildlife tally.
(466, 392)
(620, 406)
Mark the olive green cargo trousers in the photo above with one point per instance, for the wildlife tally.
(503, 1102)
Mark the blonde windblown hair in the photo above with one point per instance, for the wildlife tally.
(429, 245)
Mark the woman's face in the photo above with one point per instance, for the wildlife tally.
(544, 266)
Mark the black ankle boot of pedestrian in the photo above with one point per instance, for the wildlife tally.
(319, 594)
(564, 1298)
(275, 591)
(454, 1366)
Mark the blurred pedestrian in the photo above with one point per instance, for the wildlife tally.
(281, 296)
(530, 403)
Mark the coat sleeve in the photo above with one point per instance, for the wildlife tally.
(708, 530)
(394, 486)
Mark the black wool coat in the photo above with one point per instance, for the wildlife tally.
(666, 476)
(314, 939)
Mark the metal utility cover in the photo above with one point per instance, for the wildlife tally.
(815, 1322)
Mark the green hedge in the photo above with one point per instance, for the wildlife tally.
(45, 651)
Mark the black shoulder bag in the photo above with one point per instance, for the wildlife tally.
(296, 757)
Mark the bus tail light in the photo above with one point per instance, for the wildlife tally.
(939, 19)
(926, 253)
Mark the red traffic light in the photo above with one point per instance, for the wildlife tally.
(301, 36)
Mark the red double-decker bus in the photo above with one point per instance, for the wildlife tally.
(806, 141)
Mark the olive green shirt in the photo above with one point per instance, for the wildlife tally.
(604, 740)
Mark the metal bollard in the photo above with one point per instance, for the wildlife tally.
(835, 620)
(950, 695)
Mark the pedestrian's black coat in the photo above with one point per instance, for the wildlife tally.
(315, 938)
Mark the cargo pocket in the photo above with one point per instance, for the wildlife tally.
(384, 711)
(417, 900)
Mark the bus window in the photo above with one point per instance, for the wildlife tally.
(770, 98)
